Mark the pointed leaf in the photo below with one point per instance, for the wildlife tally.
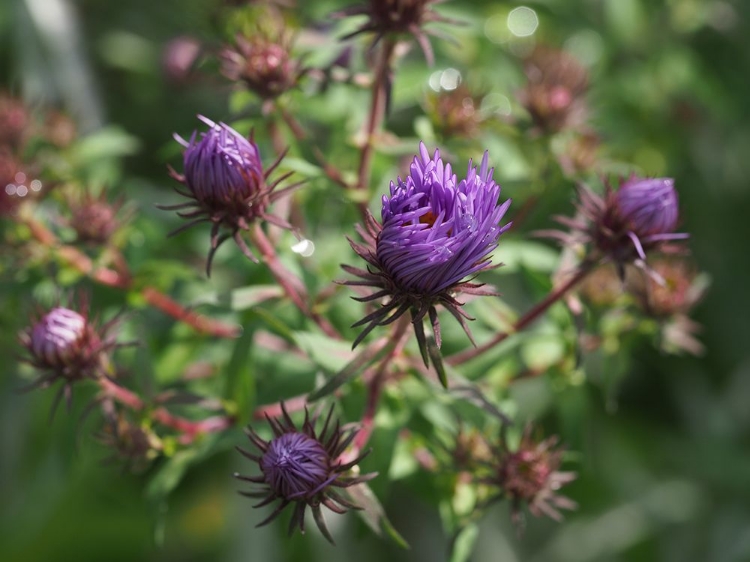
(373, 514)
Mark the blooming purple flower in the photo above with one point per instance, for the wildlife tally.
(303, 467)
(436, 232)
(225, 179)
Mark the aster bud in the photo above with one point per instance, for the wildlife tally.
(58, 337)
(303, 467)
(226, 182)
(625, 224)
(436, 231)
(93, 218)
(455, 113)
(553, 95)
(648, 206)
(66, 345)
(530, 475)
(265, 64)
(398, 16)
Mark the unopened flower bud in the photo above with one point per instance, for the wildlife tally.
(227, 184)
(648, 206)
(57, 339)
(303, 467)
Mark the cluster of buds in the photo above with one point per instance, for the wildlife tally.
(436, 231)
(227, 185)
(385, 17)
(303, 467)
(455, 113)
(554, 93)
(530, 476)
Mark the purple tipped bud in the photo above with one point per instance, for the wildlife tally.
(56, 339)
(295, 465)
(223, 167)
(649, 206)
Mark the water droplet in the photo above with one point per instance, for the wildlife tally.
(468, 222)
(304, 247)
(443, 253)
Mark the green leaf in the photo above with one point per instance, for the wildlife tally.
(240, 375)
(350, 370)
(172, 471)
(463, 543)
(373, 514)
(437, 360)
(242, 298)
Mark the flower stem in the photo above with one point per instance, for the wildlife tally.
(291, 285)
(539, 309)
(377, 382)
(111, 278)
(189, 429)
(380, 86)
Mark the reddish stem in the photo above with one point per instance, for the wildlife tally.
(292, 286)
(188, 428)
(377, 111)
(375, 387)
(525, 320)
(111, 278)
(295, 404)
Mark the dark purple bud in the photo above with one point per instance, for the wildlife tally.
(648, 206)
(65, 345)
(295, 465)
(223, 167)
(56, 339)
(304, 467)
(227, 185)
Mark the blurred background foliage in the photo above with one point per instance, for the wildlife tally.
(662, 442)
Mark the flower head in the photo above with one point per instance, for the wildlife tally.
(623, 225)
(93, 218)
(225, 179)
(66, 345)
(529, 475)
(303, 467)
(398, 16)
(264, 62)
(456, 112)
(554, 93)
(436, 231)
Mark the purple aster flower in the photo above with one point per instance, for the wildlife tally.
(623, 225)
(436, 232)
(225, 179)
(66, 345)
(303, 467)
